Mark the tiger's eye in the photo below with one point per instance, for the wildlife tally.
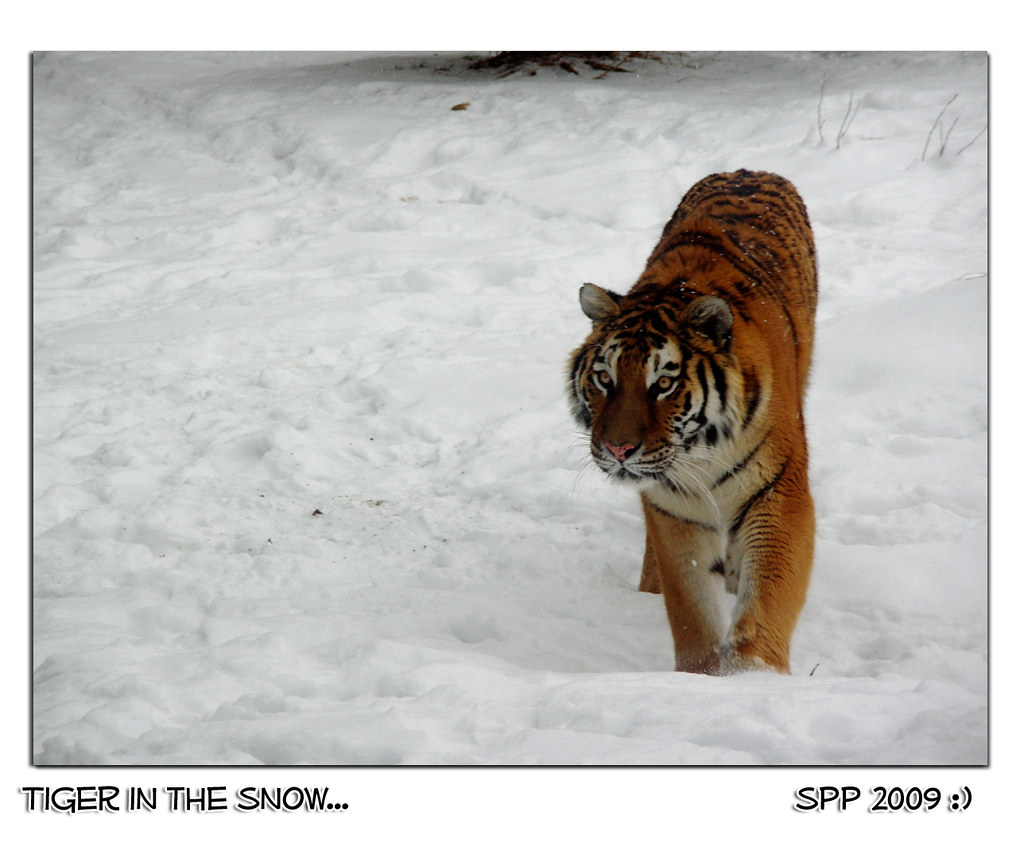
(604, 378)
(664, 382)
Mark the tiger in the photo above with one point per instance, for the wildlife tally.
(691, 386)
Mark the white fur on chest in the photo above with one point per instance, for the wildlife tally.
(707, 492)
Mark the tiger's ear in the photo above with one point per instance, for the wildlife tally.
(712, 317)
(598, 304)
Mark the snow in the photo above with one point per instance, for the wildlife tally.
(306, 490)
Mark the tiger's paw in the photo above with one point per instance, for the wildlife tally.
(707, 663)
(746, 656)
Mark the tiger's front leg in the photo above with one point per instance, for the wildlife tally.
(774, 550)
(650, 578)
(688, 559)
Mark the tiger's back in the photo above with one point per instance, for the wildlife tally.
(692, 387)
(757, 223)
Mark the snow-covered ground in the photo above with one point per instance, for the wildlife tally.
(305, 487)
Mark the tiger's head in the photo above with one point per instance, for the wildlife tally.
(653, 382)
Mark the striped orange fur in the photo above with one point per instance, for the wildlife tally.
(692, 386)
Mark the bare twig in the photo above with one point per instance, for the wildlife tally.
(944, 138)
(983, 128)
(821, 97)
(844, 127)
(935, 124)
(609, 68)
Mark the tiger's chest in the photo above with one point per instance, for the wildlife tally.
(712, 488)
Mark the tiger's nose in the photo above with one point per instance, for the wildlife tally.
(622, 452)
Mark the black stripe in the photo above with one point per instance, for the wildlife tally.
(657, 324)
(720, 383)
(703, 525)
(580, 409)
(737, 522)
(752, 392)
(701, 416)
(738, 467)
